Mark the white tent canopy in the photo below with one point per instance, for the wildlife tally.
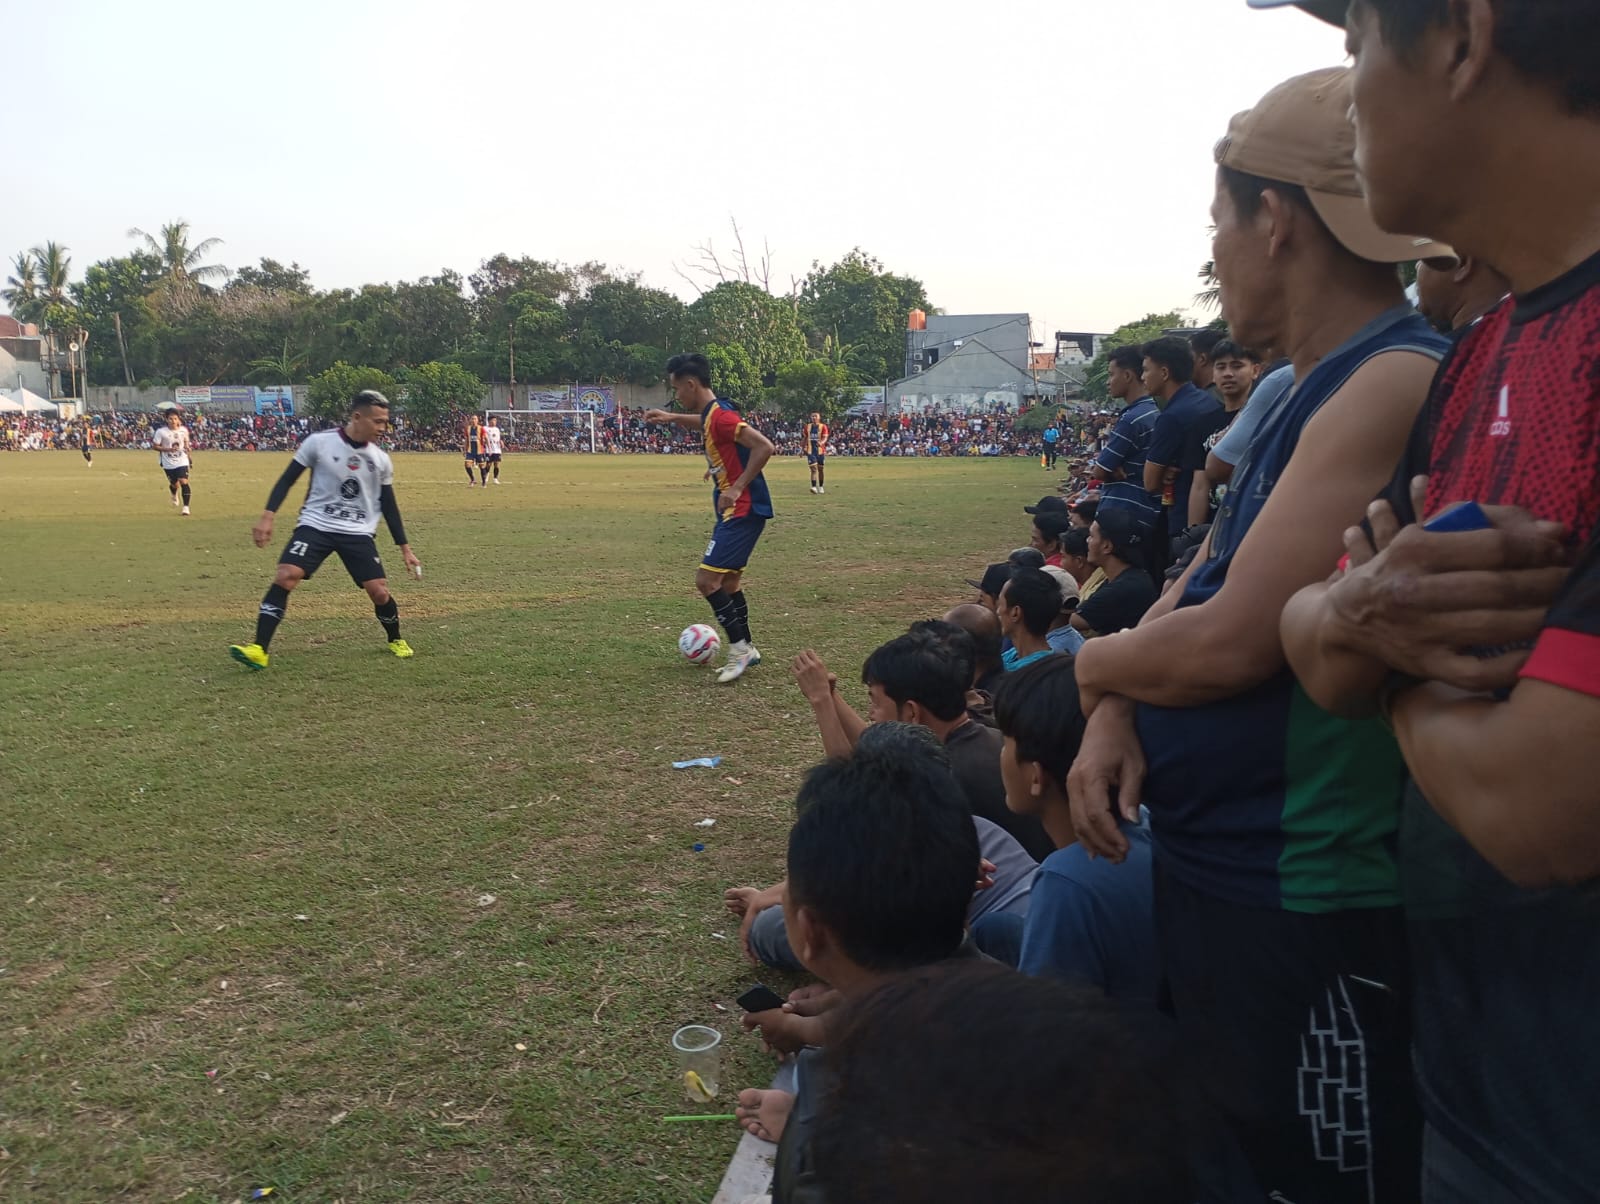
(27, 401)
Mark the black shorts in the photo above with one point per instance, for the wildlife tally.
(1301, 1027)
(308, 547)
(492, 458)
(174, 475)
(473, 458)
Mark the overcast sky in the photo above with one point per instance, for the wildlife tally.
(1013, 154)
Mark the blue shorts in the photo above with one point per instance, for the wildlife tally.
(816, 457)
(732, 541)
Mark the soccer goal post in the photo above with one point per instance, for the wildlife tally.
(547, 430)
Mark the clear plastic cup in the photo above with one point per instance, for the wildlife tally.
(699, 1060)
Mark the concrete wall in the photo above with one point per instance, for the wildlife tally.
(31, 373)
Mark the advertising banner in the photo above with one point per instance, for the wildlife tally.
(276, 400)
(192, 396)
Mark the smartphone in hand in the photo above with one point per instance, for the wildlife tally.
(760, 998)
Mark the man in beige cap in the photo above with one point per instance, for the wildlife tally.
(1276, 895)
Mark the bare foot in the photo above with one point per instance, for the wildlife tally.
(737, 898)
(763, 1113)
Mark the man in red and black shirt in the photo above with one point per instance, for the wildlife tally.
(1479, 122)
(735, 455)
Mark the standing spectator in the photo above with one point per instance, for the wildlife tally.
(1277, 896)
(1454, 293)
(1234, 371)
(1203, 345)
(1495, 143)
(1120, 465)
(1177, 445)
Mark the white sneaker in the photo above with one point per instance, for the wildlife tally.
(186, 511)
(175, 502)
(740, 658)
(497, 480)
(820, 489)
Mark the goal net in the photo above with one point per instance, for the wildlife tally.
(546, 430)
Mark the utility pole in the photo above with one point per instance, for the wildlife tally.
(122, 345)
(511, 334)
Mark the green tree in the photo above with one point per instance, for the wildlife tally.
(433, 391)
(735, 314)
(52, 264)
(183, 274)
(330, 393)
(280, 368)
(1149, 327)
(115, 292)
(861, 307)
(1038, 417)
(22, 288)
(273, 277)
(804, 385)
(733, 374)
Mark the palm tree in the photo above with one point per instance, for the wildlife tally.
(182, 273)
(1211, 296)
(51, 261)
(279, 369)
(22, 288)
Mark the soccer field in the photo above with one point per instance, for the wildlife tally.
(361, 928)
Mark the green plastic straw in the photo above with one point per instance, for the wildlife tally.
(677, 1120)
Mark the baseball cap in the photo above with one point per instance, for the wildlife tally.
(1069, 587)
(993, 580)
(1331, 11)
(1047, 504)
(1301, 133)
(1119, 528)
(1026, 558)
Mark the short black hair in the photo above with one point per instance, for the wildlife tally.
(1075, 542)
(884, 852)
(956, 639)
(1203, 342)
(1227, 349)
(922, 667)
(691, 364)
(1019, 1089)
(897, 738)
(1053, 523)
(1173, 354)
(1038, 596)
(1087, 509)
(1550, 42)
(368, 399)
(1037, 706)
(1129, 358)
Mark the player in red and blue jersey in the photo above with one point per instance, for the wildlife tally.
(736, 453)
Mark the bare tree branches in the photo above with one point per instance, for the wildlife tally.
(709, 266)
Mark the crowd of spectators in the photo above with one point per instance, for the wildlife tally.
(939, 434)
(1238, 840)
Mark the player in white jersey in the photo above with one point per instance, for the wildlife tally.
(172, 441)
(492, 448)
(352, 482)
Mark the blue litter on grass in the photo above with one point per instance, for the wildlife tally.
(699, 848)
(698, 763)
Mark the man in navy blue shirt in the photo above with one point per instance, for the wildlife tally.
(1120, 465)
(1188, 418)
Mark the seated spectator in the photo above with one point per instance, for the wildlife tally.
(1089, 921)
(968, 1082)
(1084, 512)
(1026, 558)
(1046, 535)
(1029, 604)
(922, 678)
(983, 625)
(1116, 546)
(990, 584)
(999, 902)
(1075, 559)
(1063, 636)
(880, 865)
(1049, 504)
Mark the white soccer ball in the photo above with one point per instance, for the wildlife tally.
(699, 643)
